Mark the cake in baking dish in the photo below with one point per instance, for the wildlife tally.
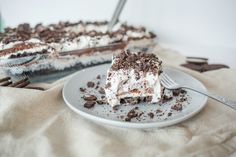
(65, 44)
(133, 77)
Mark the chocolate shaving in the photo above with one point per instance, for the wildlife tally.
(90, 98)
(101, 90)
(145, 62)
(98, 77)
(108, 85)
(82, 89)
(90, 84)
(131, 114)
(89, 104)
(177, 107)
(151, 115)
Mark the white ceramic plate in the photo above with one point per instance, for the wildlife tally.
(106, 115)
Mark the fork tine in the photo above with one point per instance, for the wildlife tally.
(23, 84)
(164, 82)
(5, 79)
(18, 82)
(164, 78)
(169, 79)
(6, 83)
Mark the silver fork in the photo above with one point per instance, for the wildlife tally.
(170, 84)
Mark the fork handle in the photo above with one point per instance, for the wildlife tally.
(218, 98)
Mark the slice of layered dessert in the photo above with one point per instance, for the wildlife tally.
(133, 77)
(78, 44)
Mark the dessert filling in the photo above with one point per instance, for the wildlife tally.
(133, 76)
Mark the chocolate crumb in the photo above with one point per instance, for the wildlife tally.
(166, 98)
(151, 115)
(182, 99)
(101, 90)
(90, 98)
(115, 108)
(177, 107)
(108, 85)
(82, 89)
(131, 114)
(176, 92)
(140, 114)
(169, 114)
(98, 77)
(183, 91)
(89, 104)
(90, 84)
(158, 111)
(101, 102)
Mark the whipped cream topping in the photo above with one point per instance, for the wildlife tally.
(61, 63)
(124, 85)
(65, 36)
(127, 82)
(24, 47)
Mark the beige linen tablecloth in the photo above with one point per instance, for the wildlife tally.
(38, 124)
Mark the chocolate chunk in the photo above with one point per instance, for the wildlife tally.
(182, 99)
(169, 114)
(132, 113)
(82, 89)
(140, 114)
(103, 97)
(90, 98)
(148, 99)
(166, 98)
(101, 102)
(140, 62)
(101, 90)
(183, 91)
(204, 67)
(127, 119)
(151, 115)
(99, 77)
(89, 104)
(108, 85)
(158, 111)
(115, 108)
(176, 92)
(177, 107)
(90, 84)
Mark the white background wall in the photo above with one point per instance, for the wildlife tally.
(193, 27)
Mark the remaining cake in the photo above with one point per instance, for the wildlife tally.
(66, 44)
(133, 77)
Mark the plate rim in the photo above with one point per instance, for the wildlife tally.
(140, 125)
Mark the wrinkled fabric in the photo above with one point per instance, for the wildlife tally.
(39, 124)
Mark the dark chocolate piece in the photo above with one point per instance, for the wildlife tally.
(177, 107)
(101, 90)
(90, 98)
(151, 115)
(82, 89)
(89, 104)
(90, 84)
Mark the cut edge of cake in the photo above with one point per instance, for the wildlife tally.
(134, 76)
